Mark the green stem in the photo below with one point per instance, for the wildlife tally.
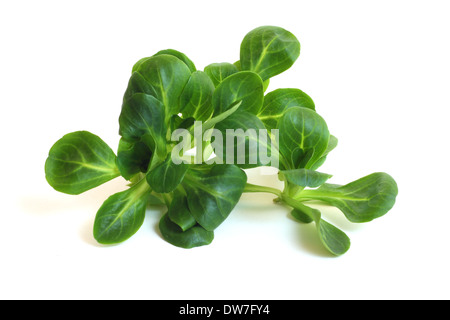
(256, 188)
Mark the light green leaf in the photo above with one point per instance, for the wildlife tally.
(80, 161)
(269, 51)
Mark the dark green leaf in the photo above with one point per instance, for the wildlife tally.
(213, 191)
(280, 100)
(196, 98)
(193, 237)
(299, 215)
(122, 214)
(243, 86)
(132, 158)
(180, 56)
(266, 82)
(362, 200)
(334, 240)
(137, 84)
(170, 52)
(219, 71)
(154, 199)
(142, 119)
(179, 213)
(305, 177)
(304, 137)
(269, 51)
(166, 76)
(80, 161)
(166, 176)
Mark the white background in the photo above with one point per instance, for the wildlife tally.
(379, 73)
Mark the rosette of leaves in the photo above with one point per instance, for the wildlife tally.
(166, 92)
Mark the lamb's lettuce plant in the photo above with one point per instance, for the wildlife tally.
(166, 93)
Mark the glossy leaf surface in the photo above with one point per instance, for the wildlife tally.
(179, 213)
(269, 51)
(304, 137)
(142, 119)
(334, 239)
(243, 86)
(166, 176)
(80, 161)
(166, 76)
(305, 177)
(196, 98)
(362, 200)
(132, 158)
(195, 236)
(121, 215)
(218, 72)
(212, 192)
(278, 101)
(180, 56)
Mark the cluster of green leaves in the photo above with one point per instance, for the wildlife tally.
(166, 92)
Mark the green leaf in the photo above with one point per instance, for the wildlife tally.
(166, 76)
(137, 84)
(166, 176)
(80, 161)
(242, 128)
(334, 239)
(179, 213)
(243, 86)
(266, 82)
(304, 137)
(362, 200)
(196, 98)
(213, 191)
(142, 119)
(122, 214)
(193, 237)
(170, 52)
(220, 71)
(332, 143)
(300, 216)
(269, 51)
(278, 101)
(305, 177)
(180, 56)
(132, 158)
